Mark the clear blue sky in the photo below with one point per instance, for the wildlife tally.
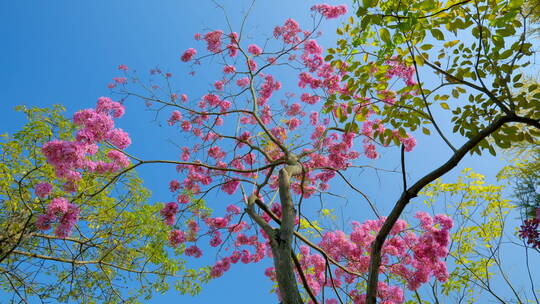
(66, 51)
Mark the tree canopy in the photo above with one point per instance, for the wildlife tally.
(262, 161)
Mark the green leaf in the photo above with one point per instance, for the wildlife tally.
(385, 35)
(437, 34)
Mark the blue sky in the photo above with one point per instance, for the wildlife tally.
(67, 51)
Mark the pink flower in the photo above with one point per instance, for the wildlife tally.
(105, 106)
(119, 138)
(289, 31)
(70, 186)
(43, 189)
(44, 221)
(233, 45)
(188, 54)
(309, 99)
(249, 159)
(314, 118)
(118, 158)
(312, 47)
(174, 185)
(176, 237)
(213, 39)
(169, 213)
(243, 82)
(218, 85)
(233, 209)
(293, 123)
(183, 198)
(230, 186)
(185, 154)
(68, 220)
(229, 69)
(186, 126)
(252, 65)
(401, 70)
(64, 156)
(122, 67)
(193, 251)
(216, 152)
(122, 80)
(246, 256)
(370, 151)
(329, 11)
(95, 123)
(408, 142)
(175, 117)
(216, 239)
(254, 49)
(58, 206)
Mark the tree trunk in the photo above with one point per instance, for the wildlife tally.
(282, 245)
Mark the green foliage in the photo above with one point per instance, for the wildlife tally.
(118, 252)
(476, 49)
(479, 214)
(524, 172)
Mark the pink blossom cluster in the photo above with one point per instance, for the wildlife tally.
(254, 49)
(230, 186)
(59, 208)
(96, 126)
(288, 32)
(169, 213)
(176, 237)
(330, 11)
(411, 257)
(213, 39)
(42, 190)
(176, 116)
(188, 54)
(400, 70)
(240, 234)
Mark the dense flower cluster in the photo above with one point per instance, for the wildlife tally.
(42, 190)
(169, 213)
(96, 126)
(254, 49)
(188, 54)
(66, 213)
(330, 11)
(176, 238)
(414, 258)
(70, 158)
(214, 41)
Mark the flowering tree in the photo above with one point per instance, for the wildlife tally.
(487, 68)
(273, 147)
(120, 241)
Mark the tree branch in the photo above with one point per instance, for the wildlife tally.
(412, 192)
